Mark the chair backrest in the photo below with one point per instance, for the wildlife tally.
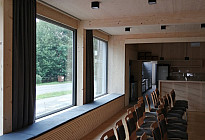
(109, 135)
(153, 98)
(131, 127)
(169, 100)
(148, 102)
(156, 131)
(120, 130)
(163, 126)
(144, 136)
(173, 95)
(140, 114)
(131, 110)
(157, 92)
(162, 110)
(166, 104)
(156, 96)
(141, 99)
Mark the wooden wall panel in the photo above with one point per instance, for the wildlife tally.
(116, 65)
(192, 91)
(7, 66)
(81, 126)
(1, 66)
(177, 51)
(130, 54)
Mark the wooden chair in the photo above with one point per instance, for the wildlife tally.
(156, 131)
(157, 93)
(144, 136)
(162, 125)
(120, 130)
(109, 135)
(149, 104)
(131, 126)
(140, 98)
(132, 111)
(156, 96)
(153, 99)
(173, 134)
(179, 103)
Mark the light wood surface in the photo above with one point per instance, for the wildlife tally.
(1, 68)
(165, 40)
(100, 35)
(7, 66)
(193, 92)
(53, 14)
(116, 65)
(81, 67)
(114, 9)
(176, 52)
(163, 19)
(196, 125)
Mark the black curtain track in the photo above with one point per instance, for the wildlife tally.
(24, 63)
(89, 67)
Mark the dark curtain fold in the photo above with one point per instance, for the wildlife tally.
(89, 67)
(24, 63)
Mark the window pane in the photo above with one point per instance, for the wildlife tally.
(100, 67)
(54, 58)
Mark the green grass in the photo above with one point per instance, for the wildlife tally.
(53, 94)
(53, 83)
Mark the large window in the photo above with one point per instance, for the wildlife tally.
(100, 67)
(54, 67)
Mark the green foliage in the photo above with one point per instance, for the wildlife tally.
(53, 51)
(38, 79)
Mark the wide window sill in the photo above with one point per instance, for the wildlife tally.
(51, 123)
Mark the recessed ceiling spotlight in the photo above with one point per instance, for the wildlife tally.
(127, 29)
(95, 5)
(163, 27)
(203, 25)
(152, 1)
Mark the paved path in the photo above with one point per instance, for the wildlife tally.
(53, 88)
(47, 105)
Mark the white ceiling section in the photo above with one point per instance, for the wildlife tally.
(115, 9)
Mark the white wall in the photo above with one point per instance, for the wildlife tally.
(1, 64)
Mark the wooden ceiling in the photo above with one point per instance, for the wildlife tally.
(114, 15)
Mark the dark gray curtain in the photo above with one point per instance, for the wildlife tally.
(24, 63)
(89, 67)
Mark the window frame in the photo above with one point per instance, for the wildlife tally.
(74, 66)
(106, 42)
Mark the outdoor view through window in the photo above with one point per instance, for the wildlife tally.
(100, 67)
(54, 59)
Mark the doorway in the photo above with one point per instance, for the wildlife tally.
(149, 73)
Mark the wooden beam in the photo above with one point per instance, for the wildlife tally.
(101, 35)
(166, 35)
(53, 14)
(165, 40)
(167, 19)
